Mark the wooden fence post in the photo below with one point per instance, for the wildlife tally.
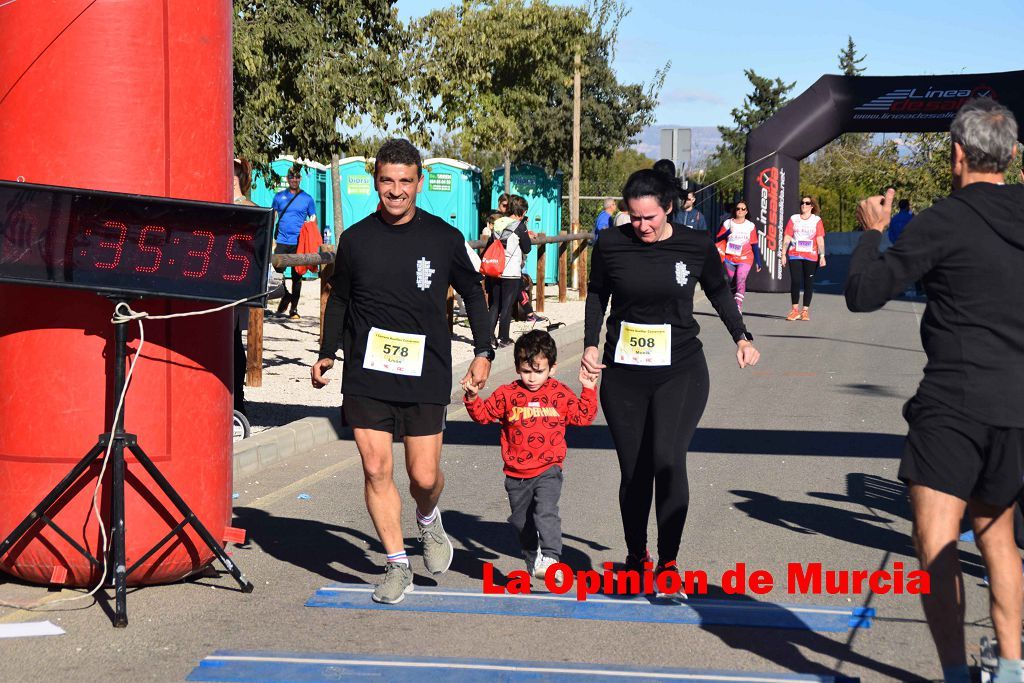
(541, 275)
(254, 349)
(563, 269)
(326, 273)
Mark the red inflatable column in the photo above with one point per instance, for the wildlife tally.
(130, 97)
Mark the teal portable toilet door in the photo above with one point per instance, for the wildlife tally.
(451, 191)
(543, 193)
(358, 195)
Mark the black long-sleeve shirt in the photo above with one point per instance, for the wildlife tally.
(968, 251)
(395, 278)
(654, 284)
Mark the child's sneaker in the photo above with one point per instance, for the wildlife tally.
(669, 568)
(540, 570)
(531, 560)
(805, 315)
(793, 315)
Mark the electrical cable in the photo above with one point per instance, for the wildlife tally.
(123, 314)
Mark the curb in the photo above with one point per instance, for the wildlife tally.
(262, 450)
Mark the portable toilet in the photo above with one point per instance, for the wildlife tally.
(543, 193)
(451, 191)
(358, 196)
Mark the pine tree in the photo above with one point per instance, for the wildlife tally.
(849, 62)
(768, 97)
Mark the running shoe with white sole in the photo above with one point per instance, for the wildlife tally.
(437, 548)
(397, 582)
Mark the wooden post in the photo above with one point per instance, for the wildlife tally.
(336, 194)
(574, 185)
(563, 268)
(541, 269)
(254, 349)
(508, 174)
(326, 273)
(581, 269)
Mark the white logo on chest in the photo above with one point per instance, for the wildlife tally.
(682, 273)
(423, 273)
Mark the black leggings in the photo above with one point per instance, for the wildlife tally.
(503, 300)
(652, 419)
(801, 271)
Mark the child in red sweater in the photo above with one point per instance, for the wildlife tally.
(533, 412)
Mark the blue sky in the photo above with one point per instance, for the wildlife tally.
(710, 44)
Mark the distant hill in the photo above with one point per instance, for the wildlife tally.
(705, 140)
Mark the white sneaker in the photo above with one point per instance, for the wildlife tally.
(540, 569)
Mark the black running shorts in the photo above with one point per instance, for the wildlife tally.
(949, 452)
(398, 418)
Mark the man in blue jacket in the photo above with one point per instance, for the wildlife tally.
(292, 207)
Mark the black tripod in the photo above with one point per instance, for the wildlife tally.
(121, 440)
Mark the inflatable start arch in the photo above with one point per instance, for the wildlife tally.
(848, 104)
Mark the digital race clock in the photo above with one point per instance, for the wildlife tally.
(132, 244)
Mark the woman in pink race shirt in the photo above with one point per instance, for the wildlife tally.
(804, 247)
(737, 241)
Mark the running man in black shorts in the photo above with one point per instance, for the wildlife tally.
(965, 447)
(388, 310)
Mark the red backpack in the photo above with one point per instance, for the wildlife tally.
(492, 263)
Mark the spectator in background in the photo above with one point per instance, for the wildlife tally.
(605, 217)
(689, 215)
(292, 207)
(512, 232)
(900, 220)
(485, 234)
(503, 203)
(622, 216)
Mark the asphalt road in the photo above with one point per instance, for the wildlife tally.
(794, 462)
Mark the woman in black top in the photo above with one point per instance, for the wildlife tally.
(655, 383)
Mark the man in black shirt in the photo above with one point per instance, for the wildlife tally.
(965, 447)
(388, 310)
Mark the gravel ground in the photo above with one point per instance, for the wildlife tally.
(290, 348)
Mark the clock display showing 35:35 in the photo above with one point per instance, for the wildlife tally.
(132, 244)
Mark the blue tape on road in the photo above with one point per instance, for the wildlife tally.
(299, 667)
(604, 608)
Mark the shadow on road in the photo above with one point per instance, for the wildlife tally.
(785, 647)
(867, 529)
(719, 440)
(319, 547)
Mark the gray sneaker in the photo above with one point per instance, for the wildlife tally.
(437, 549)
(397, 582)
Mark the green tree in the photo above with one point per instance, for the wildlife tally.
(604, 177)
(499, 74)
(724, 169)
(767, 98)
(849, 62)
(301, 69)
